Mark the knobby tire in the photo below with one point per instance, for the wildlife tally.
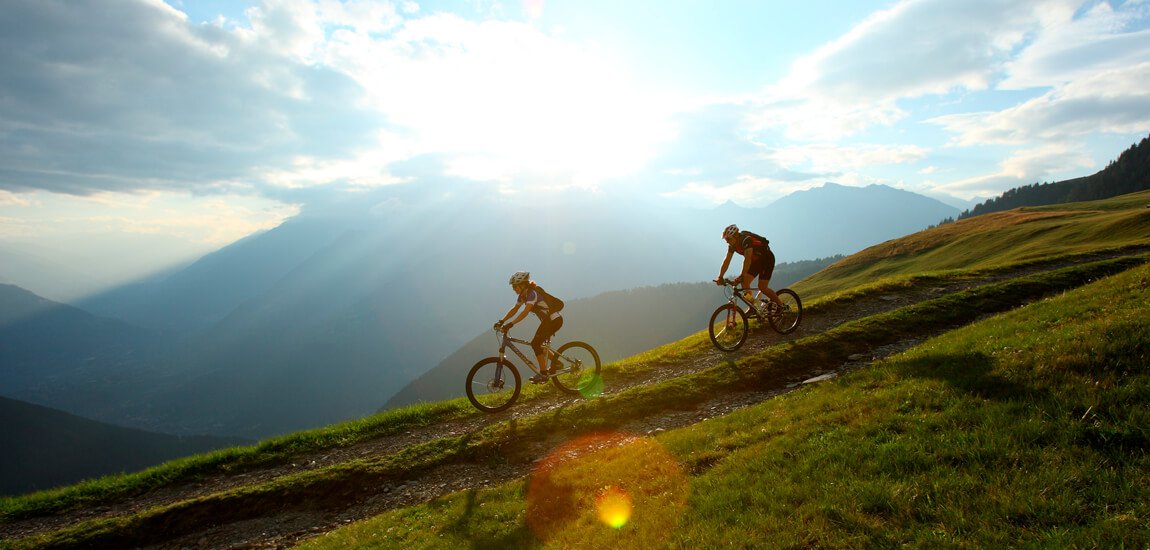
(728, 327)
(578, 379)
(490, 393)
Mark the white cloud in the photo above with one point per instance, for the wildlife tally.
(1025, 167)
(1073, 48)
(209, 221)
(8, 198)
(1114, 102)
(914, 49)
(129, 95)
(746, 190)
(827, 157)
(298, 94)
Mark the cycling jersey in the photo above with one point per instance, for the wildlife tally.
(539, 305)
(747, 240)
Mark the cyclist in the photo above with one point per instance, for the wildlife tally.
(758, 261)
(533, 299)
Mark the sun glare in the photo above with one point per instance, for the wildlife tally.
(606, 488)
(515, 97)
(614, 506)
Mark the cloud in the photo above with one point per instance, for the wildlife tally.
(1072, 48)
(128, 95)
(1025, 167)
(1094, 69)
(831, 158)
(303, 93)
(746, 190)
(1114, 101)
(915, 48)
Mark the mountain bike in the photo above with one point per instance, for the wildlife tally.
(493, 384)
(729, 327)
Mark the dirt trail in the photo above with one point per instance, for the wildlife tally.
(290, 526)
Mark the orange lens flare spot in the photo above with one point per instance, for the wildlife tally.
(611, 489)
(614, 505)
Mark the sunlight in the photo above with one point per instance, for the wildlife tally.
(502, 100)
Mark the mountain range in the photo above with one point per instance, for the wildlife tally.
(329, 315)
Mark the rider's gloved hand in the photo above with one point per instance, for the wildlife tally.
(507, 326)
(498, 325)
(719, 281)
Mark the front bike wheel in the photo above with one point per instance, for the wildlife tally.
(728, 327)
(787, 319)
(578, 373)
(493, 384)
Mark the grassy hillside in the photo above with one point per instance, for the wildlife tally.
(1015, 427)
(994, 240)
(45, 448)
(1030, 428)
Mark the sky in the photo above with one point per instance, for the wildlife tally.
(154, 131)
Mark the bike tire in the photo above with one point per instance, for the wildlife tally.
(728, 327)
(582, 377)
(787, 321)
(487, 385)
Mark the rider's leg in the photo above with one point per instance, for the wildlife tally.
(546, 330)
(770, 294)
(764, 272)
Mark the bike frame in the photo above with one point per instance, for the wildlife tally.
(737, 293)
(508, 341)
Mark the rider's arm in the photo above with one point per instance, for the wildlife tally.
(510, 312)
(523, 314)
(726, 264)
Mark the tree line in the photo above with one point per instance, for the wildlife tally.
(1130, 172)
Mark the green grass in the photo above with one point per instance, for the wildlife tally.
(1029, 428)
(818, 422)
(994, 240)
(229, 461)
(513, 441)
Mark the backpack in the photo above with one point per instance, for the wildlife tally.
(554, 305)
(756, 239)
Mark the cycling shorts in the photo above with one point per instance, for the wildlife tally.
(763, 264)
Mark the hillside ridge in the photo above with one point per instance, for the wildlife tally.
(195, 513)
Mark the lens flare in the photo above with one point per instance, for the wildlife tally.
(610, 489)
(591, 386)
(614, 506)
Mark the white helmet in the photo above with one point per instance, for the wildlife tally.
(730, 231)
(520, 277)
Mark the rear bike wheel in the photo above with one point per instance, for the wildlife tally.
(493, 384)
(728, 328)
(787, 319)
(578, 373)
